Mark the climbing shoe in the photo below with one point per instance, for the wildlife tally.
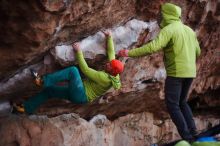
(37, 78)
(18, 108)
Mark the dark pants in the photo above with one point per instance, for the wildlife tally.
(176, 91)
(74, 91)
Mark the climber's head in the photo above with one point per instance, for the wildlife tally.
(114, 67)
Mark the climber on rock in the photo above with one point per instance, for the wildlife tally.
(77, 91)
(181, 49)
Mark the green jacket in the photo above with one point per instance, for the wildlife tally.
(98, 82)
(178, 41)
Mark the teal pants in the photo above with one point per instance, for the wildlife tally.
(73, 91)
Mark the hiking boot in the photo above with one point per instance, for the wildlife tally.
(37, 78)
(191, 140)
(18, 108)
(195, 134)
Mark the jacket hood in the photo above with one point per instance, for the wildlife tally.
(170, 13)
(116, 83)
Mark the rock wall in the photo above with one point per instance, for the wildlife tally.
(31, 28)
(34, 28)
(70, 130)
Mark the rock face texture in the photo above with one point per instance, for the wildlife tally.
(39, 25)
(70, 130)
(38, 34)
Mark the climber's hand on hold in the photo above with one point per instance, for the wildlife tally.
(107, 33)
(76, 47)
